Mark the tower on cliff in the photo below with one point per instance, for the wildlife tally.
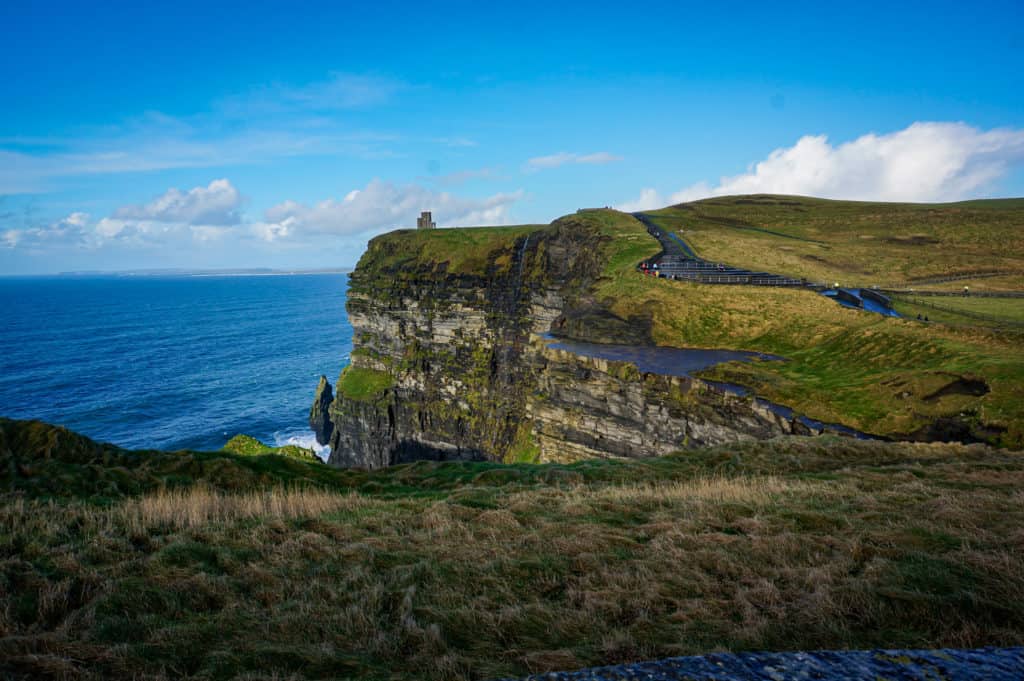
(424, 221)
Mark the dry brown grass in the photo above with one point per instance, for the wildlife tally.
(753, 490)
(200, 506)
(801, 545)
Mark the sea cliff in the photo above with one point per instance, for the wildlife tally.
(450, 362)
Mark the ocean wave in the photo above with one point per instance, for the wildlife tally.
(307, 440)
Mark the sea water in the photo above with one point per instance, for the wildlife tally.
(172, 362)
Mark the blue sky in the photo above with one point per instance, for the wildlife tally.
(286, 135)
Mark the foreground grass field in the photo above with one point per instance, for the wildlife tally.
(187, 565)
(881, 375)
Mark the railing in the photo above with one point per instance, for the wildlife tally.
(954, 294)
(965, 313)
(750, 279)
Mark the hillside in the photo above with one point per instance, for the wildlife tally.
(213, 565)
(887, 376)
(859, 243)
(444, 365)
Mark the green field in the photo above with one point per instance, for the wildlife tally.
(881, 375)
(973, 310)
(884, 376)
(159, 565)
(463, 250)
(856, 243)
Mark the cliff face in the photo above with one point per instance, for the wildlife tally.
(448, 362)
(586, 407)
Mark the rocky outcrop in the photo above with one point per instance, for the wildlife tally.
(452, 345)
(586, 407)
(450, 363)
(319, 416)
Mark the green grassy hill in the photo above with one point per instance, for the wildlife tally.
(886, 376)
(158, 565)
(890, 377)
(858, 243)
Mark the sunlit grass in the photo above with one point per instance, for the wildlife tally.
(844, 366)
(480, 571)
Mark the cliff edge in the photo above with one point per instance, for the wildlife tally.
(450, 360)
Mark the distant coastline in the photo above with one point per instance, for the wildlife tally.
(235, 272)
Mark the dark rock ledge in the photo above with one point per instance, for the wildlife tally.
(319, 418)
(990, 664)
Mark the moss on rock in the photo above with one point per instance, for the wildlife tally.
(250, 446)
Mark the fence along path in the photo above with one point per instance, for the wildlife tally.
(963, 313)
(679, 261)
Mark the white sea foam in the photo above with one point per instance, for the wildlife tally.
(303, 439)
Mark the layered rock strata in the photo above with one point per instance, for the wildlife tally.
(451, 365)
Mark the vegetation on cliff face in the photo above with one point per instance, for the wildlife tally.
(215, 566)
(250, 446)
(362, 384)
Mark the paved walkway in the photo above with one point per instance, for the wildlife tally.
(988, 664)
(678, 261)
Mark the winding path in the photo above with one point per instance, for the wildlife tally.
(679, 261)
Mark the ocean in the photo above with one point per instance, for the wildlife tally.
(172, 362)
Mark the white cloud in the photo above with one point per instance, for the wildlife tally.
(598, 157)
(11, 237)
(563, 157)
(202, 213)
(69, 230)
(649, 199)
(205, 233)
(215, 204)
(379, 206)
(924, 162)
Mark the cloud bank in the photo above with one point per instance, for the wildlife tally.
(215, 204)
(924, 162)
(380, 206)
(211, 213)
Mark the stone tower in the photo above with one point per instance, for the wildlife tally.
(424, 221)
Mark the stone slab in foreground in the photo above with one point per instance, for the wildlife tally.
(990, 664)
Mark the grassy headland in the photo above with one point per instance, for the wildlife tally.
(890, 377)
(882, 375)
(857, 243)
(214, 565)
(461, 250)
